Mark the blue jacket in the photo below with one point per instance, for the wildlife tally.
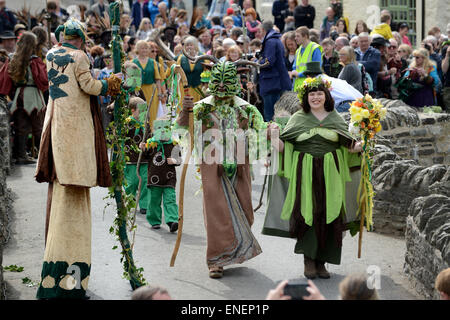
(275, 77)
(136, 14)
(153, 9)
(371, 60)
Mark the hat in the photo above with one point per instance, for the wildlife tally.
(8, 35)
(71, 29)
(403, 25)
(170, 27)
(313, 69)
(380, 41)
(18, 27)
(230, 11)
(241, 39)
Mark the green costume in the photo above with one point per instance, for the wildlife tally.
(162, 176)
(312, 179)
(135, 136)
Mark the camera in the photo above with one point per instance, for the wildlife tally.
(257, 54)
(296, 289)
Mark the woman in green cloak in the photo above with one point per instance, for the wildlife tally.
(316, 153)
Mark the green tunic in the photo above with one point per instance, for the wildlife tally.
(315, 162)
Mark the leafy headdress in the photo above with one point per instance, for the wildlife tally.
(310, 83)
(224, 81)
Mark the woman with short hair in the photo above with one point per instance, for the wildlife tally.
(192, 71)
(350, 72)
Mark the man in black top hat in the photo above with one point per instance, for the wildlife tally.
(8, 41)
(384, 80)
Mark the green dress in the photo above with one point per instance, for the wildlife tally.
(314, 170)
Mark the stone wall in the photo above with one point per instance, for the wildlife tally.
(412, 159)
(427, 242)
(4, 194)
(424, 137)
(411, 178)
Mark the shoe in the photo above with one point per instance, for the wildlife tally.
(25, 160)
(156, 226)
(321, 270)
(173, 226)
(310, 268)
(216, 272)
(143, 211)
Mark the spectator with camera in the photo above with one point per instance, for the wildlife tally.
(353, 287)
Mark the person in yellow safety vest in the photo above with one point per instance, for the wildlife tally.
(307, 51)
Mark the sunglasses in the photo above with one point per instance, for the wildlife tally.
(418, 57)
(393, 47)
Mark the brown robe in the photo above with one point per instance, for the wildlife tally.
(224, 203)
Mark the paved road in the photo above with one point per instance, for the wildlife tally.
(188, 279)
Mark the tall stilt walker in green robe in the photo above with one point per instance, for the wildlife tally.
(72, 158)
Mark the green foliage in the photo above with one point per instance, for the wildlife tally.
(116, 137)
(29, 283)
(13, 268)
(432, 109)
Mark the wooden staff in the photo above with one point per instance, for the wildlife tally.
(183, 173)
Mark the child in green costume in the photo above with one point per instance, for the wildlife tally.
(164, 154)
(135, 137)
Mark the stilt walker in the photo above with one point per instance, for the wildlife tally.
(72, 159)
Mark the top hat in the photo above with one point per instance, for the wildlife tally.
(8, 35)
(313, 69)
(380, 41)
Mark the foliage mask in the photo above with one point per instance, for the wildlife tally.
(162, 130)
(224, 80)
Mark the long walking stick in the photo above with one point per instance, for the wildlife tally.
(182, 182)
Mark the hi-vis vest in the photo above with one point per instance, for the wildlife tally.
(301, 61)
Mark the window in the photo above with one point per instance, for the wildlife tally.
(402, 11)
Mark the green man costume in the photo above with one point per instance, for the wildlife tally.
(227, 205)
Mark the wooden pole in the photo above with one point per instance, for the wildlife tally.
(361, 228)
(182, 183)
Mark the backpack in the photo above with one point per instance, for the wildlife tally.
(366, 80)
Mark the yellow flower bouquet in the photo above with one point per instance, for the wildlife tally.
(366, 115)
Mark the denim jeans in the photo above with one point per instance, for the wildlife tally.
(269, 103)
(343, 106)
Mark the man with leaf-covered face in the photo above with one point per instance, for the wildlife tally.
(225, 167)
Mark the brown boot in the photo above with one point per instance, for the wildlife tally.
(322, 272)
(310, 268)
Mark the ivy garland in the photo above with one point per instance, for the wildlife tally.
(117, 136)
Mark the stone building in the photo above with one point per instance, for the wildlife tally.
(420, 15)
